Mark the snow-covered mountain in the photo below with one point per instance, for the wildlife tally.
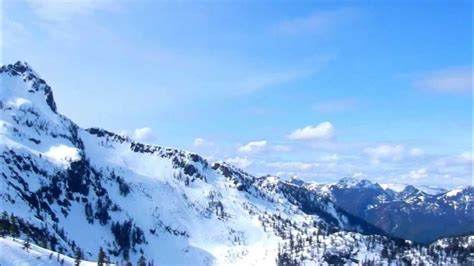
(432, 190)
(76, 191)
(395, 209)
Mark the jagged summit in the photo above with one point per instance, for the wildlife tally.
(410, 191)
(296, 181)
(34, 83)
(20, 67)
(348, 182)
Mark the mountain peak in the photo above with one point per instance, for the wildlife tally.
(410, 189)
(21, 67)
(34, 83)
(296, 181)
(354, 182)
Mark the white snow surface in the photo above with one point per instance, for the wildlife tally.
(454, 192)
(13, 253)
(62, 154)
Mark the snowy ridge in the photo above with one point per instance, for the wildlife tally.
(22, 74)
(14, 252)
(75, 191)
(431, 190)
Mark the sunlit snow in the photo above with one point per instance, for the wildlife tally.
(62, 154)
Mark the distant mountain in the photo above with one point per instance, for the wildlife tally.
(407, 212)
(313, 204)
(76, 191)
(432, 190)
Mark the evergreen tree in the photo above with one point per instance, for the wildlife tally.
(27, 245)
(102, 213)
(78, 257)
(13, 226)
(44, 243)
(101, 257)
(141, 261)
(89, 213)
(384, 252)
(4, 224)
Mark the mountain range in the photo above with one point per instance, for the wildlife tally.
(435, 212)
(80, 192)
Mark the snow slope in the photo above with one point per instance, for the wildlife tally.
(13, 253)
(70, 189)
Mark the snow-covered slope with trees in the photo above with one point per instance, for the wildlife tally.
(77, 191)
(15, 252)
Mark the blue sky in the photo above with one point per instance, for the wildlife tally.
(315, 89)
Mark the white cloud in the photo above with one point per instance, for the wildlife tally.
(467, 157)
(418, 173)
(323, 131)
(416, 152)
(73, 22)
(13, 33)
(358, 175)
(200, 142)
(282, 148)
(259, 79)
(462, 159)
(61, 11)
(330, 158)
(140, 134)
(317, 22)
(298, 166)
(265, 80)
(144, 133)
(254, 146)
(335, 106)
(385, 152)
(454, 80)
(240, 162)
